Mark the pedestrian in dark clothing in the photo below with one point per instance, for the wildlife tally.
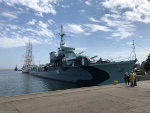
(135, 83)
(126, 78)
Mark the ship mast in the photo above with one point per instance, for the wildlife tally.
(62, 42)
(29, 55)
(26, 60)
(134, 49)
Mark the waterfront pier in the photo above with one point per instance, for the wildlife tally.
(118, 98)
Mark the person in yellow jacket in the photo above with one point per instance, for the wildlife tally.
(132, 77)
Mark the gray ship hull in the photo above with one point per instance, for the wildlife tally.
(93, 74)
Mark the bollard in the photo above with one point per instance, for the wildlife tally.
(115, 82)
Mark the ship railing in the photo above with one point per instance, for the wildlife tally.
(112, 60)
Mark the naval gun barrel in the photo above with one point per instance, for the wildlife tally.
(80, 53)
(93, 57)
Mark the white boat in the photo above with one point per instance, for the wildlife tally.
(25, 70)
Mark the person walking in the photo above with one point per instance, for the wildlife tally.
(135, 83)
(128, 78)
(132, 78)
(125, 78)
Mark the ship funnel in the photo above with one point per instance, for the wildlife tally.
(52, 56)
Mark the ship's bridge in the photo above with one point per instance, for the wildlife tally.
(68, 51)
(69, 54)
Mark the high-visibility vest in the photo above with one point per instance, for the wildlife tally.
(132, 77)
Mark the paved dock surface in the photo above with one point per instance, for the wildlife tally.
(118, 98)
(143, 77)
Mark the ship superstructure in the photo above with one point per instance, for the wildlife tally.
(68, 66)
(28, 58)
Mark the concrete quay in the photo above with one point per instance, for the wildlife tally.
(143, 77)
(118, 98)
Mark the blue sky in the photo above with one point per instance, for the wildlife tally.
(98, 27)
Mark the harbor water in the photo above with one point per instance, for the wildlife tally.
(17, 83)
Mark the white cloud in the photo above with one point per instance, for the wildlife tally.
(140, 36)
(113, 4)
(110, 20)
(82, 11)
(11, 35)
(122, 33)
(129, 43)
(132, 16)
(16, 36)
(80, 49)
(132, 10)
(48, 41)
(32, 22)
(74, 28)
(65, 6)
(39, 14)
(16, 42)
(87, 3)
(50, 21)
(13, 26)
(94, 27)
(43, 6)
(39, 32)
(115, 34)
(9, 15)
(87, 34)
(45, 32)
(121, 28)
(93, 20)
(41, 24)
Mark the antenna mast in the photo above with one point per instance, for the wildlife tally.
(62, 42)
(134, 49)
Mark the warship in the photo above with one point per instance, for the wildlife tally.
(68, 66)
